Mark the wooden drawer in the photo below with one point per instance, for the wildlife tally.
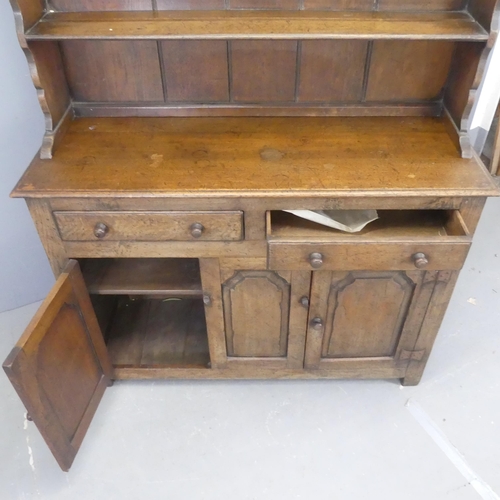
(429, 240)
(150, 226)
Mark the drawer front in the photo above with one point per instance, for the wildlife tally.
(150, 226)
(403, 256)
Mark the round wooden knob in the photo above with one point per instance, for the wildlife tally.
(304, 301)
(197, 230)
(101, 230)
(317, 323)
(420, 260)
(316, 260)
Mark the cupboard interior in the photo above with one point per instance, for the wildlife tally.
(390, 224)
(150, 311)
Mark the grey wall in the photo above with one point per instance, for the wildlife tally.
(25, 275)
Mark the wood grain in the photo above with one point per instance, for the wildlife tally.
(159, 333)
(196, 71)
(150, 226)
(190, 4)
(131, 70)
(420, 5)
(373, 330)
(60, 367)
(338, 5)
(442, 253)
(250, 333)
(330, 70)
(241, 24)
(99, 5)
(398, 157)
(263, 71)
(405, 70)
(264, 4)
(161, 277)
(214, 314)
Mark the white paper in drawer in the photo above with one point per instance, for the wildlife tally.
(350, 221)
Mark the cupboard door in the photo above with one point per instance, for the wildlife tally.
(365, 323)
(265, 317)
(60, 367)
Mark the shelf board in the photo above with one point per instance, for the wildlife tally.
(151, 277)
(253, 157)
(295, 25)
(155, 333)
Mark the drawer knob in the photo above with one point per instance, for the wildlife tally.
(316, 260)
(100, 230)
(197, 230)
(317, 324)
(207, 300)
(420, 260)
(304, 302)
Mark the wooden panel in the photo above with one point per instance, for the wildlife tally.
(212, 298)
(149, 226)
(264, 4)
(365, 314)
(331, 70)
(50, 77)
(125, 158)
(484, 12)
(445, 283)
(60, 367)
(163, 277)
(196, 70)
(408, 70)
(263, 71)
(113, 71)
(462, 75)
(249, 332)
(158, 332)
(190, 4)
(333, 340)
(340, 5)
(370, 255)
(420, 5)
(30, 12)
(264, 24)
(100, 5)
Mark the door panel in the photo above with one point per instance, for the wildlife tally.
(366, 316)
(264, 317)
(60, 367)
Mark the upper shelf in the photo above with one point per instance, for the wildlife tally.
(257, 25)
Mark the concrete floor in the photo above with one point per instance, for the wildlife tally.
(290, 439)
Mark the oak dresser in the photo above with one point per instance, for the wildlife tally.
(178, 132)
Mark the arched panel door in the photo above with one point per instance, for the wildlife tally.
(366, 321)
(265, 317)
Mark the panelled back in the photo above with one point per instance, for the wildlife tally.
(265, 72)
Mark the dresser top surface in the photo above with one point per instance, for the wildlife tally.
(199, 157)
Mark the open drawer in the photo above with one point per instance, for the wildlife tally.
(398, 240)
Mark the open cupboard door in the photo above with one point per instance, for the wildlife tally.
(60, 367)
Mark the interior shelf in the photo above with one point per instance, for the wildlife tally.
(151, 277)
(390, 224)
(158, 333)
(459, 26)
